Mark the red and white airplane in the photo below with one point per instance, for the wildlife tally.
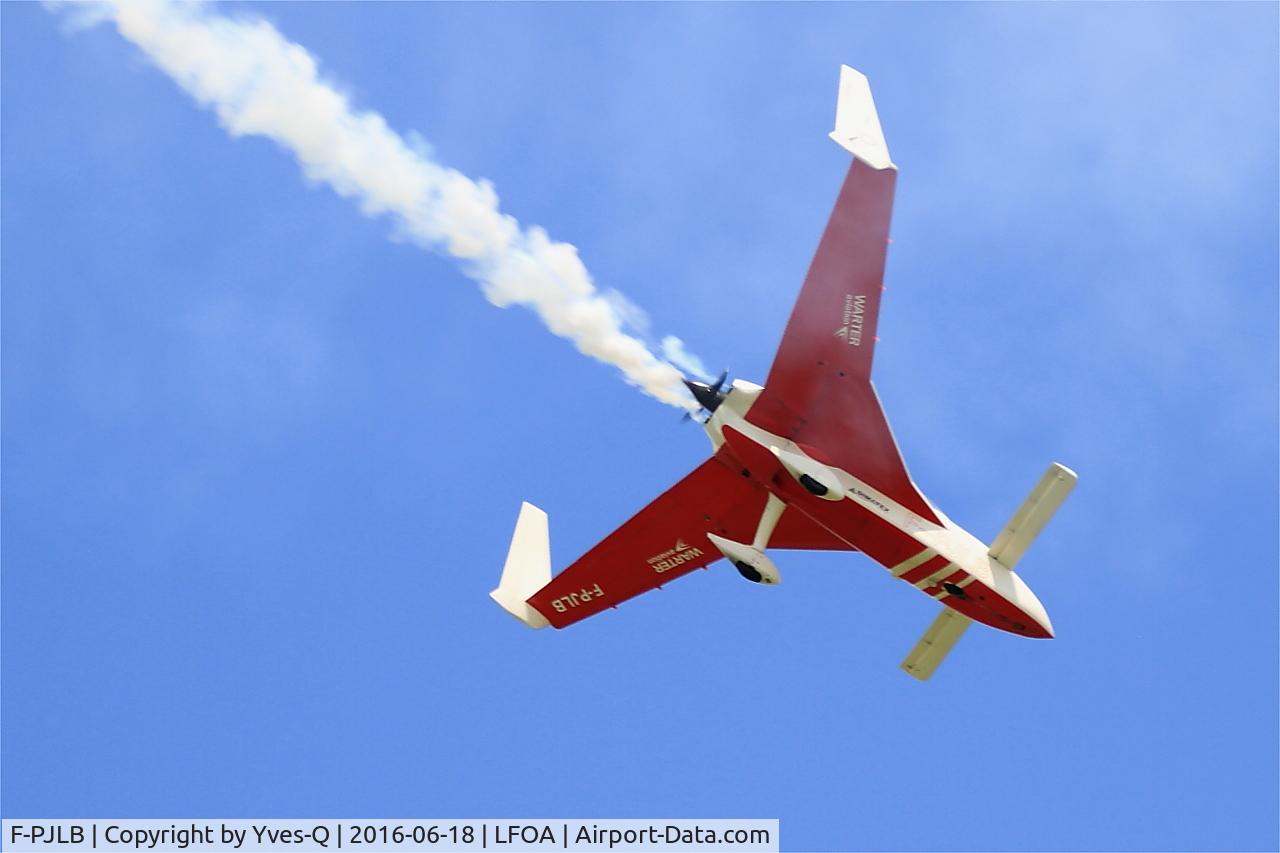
(806, 462)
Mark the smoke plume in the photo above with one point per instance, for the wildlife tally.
(259, 83)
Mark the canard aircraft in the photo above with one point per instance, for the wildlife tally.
(806, 462)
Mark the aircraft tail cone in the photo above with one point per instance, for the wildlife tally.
(709, 397)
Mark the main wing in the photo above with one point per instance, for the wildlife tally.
(819, 390)
(832, 330)
(667, 540)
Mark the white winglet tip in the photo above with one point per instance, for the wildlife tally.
(528, 567)
(857, 124)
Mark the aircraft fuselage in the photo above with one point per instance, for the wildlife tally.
(943, 560)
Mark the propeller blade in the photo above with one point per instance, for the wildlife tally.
(709, 397)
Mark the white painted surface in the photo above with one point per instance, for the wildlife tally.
(528, 566)
(1035, 512)
(857, 123)
(938, 640)
(736, 552)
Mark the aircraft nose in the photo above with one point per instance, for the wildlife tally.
(1037, 624)
(1039, 620)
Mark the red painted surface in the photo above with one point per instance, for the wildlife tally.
(981, 604)
(859, 528)
(819, 395)
(939, 587)
(925, 569)
(819, 391)
(642, 554)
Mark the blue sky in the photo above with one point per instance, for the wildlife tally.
(261, 459)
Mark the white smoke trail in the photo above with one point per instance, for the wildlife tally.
(259, 83)
(673, 351)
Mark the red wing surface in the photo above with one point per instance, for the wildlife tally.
(819, 390)
(833, 325)
(667, 539)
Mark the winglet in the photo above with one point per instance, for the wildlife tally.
(528, 567)
(857, 125)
